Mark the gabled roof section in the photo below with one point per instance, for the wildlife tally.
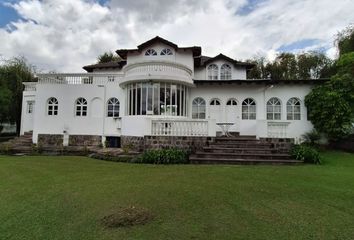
(204, 60)
(115, 65)
(124, 52)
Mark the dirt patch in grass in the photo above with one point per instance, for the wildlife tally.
(126, 217)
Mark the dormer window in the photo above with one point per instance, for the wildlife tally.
(213, 72)
(150, 52)
(166, 51)
(225, 72)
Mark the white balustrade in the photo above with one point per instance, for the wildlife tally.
(157, 70)
(179, 128)
(30, 86)
(277, 129)
(78, 78)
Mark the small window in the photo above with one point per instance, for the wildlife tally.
(225, 72)
(81, 107)
(150, 52)
(249, 109)
(111, 79)
(214, 102)
(274, 109)
(231, 102)
(166, 51)
(30, 107)
(198, 108)
(52, 106)
(293, 109)
(213, 72)
(113, 107)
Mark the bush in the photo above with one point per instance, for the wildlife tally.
(312, 137)
(306, 153)
(164, 156)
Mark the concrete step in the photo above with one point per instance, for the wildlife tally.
(263, 156)
(236, 139)
(241, 145)
(216, 149)
(196, 160)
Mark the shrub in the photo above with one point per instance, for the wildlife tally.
(164, 156)
(312, 137)
(306, 153)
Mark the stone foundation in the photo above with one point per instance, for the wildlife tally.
(159, 142)
(85, 140)
(50, 139)
(284, 144)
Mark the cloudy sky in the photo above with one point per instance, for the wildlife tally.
(67, 34)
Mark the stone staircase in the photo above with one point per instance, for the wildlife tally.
(22, 144)
(241, 150)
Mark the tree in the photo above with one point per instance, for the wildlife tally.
(108, 57)
(345, 40)
(12, 74)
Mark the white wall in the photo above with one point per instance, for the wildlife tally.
(27, 118)
(95, 123)
(261, 95)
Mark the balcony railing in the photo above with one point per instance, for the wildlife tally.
(179, 128)
(159, 70)
(30, 86)
(79, 78)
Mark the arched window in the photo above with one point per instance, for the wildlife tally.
(293, 109)
(214, 102)
(231, 102)
(274, 109)
(225, 72)
(166, 51)
(52, 106)
(198, 108)
(248, 109)
(113, 107)
(150, 52)
(81, 107)
(213, 72)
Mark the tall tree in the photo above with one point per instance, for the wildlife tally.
(108, 57)
(12, 74)
(345, 40)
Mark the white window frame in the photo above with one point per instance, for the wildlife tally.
(113, 107)
(225, 72)
(273, 110)
(198, 108)
(30, 107)
(293, 109)
(81, 107)
(213, 72)
(231, 102)
(150, 52)
(166, 52)
(52, 106)
(249, 109)
(215, 102)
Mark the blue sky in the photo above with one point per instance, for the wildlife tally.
(67, 34)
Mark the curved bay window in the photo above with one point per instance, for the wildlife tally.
(148, 98)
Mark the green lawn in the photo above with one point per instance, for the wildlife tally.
(65, 198)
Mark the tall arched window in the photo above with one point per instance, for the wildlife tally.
(166, 51)
(231, 102)
(225, 72)
(274, 109)
(214, 102)
(150, 52)
(81, 107)
(113, 107)
(293, 109)
(52, 106)
(198, 108)
(213, 72)
(249, 109)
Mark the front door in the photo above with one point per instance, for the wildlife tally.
(232, 115)
(215, 110)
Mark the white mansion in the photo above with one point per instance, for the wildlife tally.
(161, 89)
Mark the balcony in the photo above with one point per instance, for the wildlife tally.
(79, 78)
(30, 86)
(157, 70)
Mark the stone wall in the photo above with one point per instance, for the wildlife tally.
(284, 144)
(50, 140)
(132, 143)
(85, 140)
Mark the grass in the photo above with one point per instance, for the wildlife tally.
(66, 198)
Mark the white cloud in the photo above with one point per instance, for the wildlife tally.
(67, 35)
